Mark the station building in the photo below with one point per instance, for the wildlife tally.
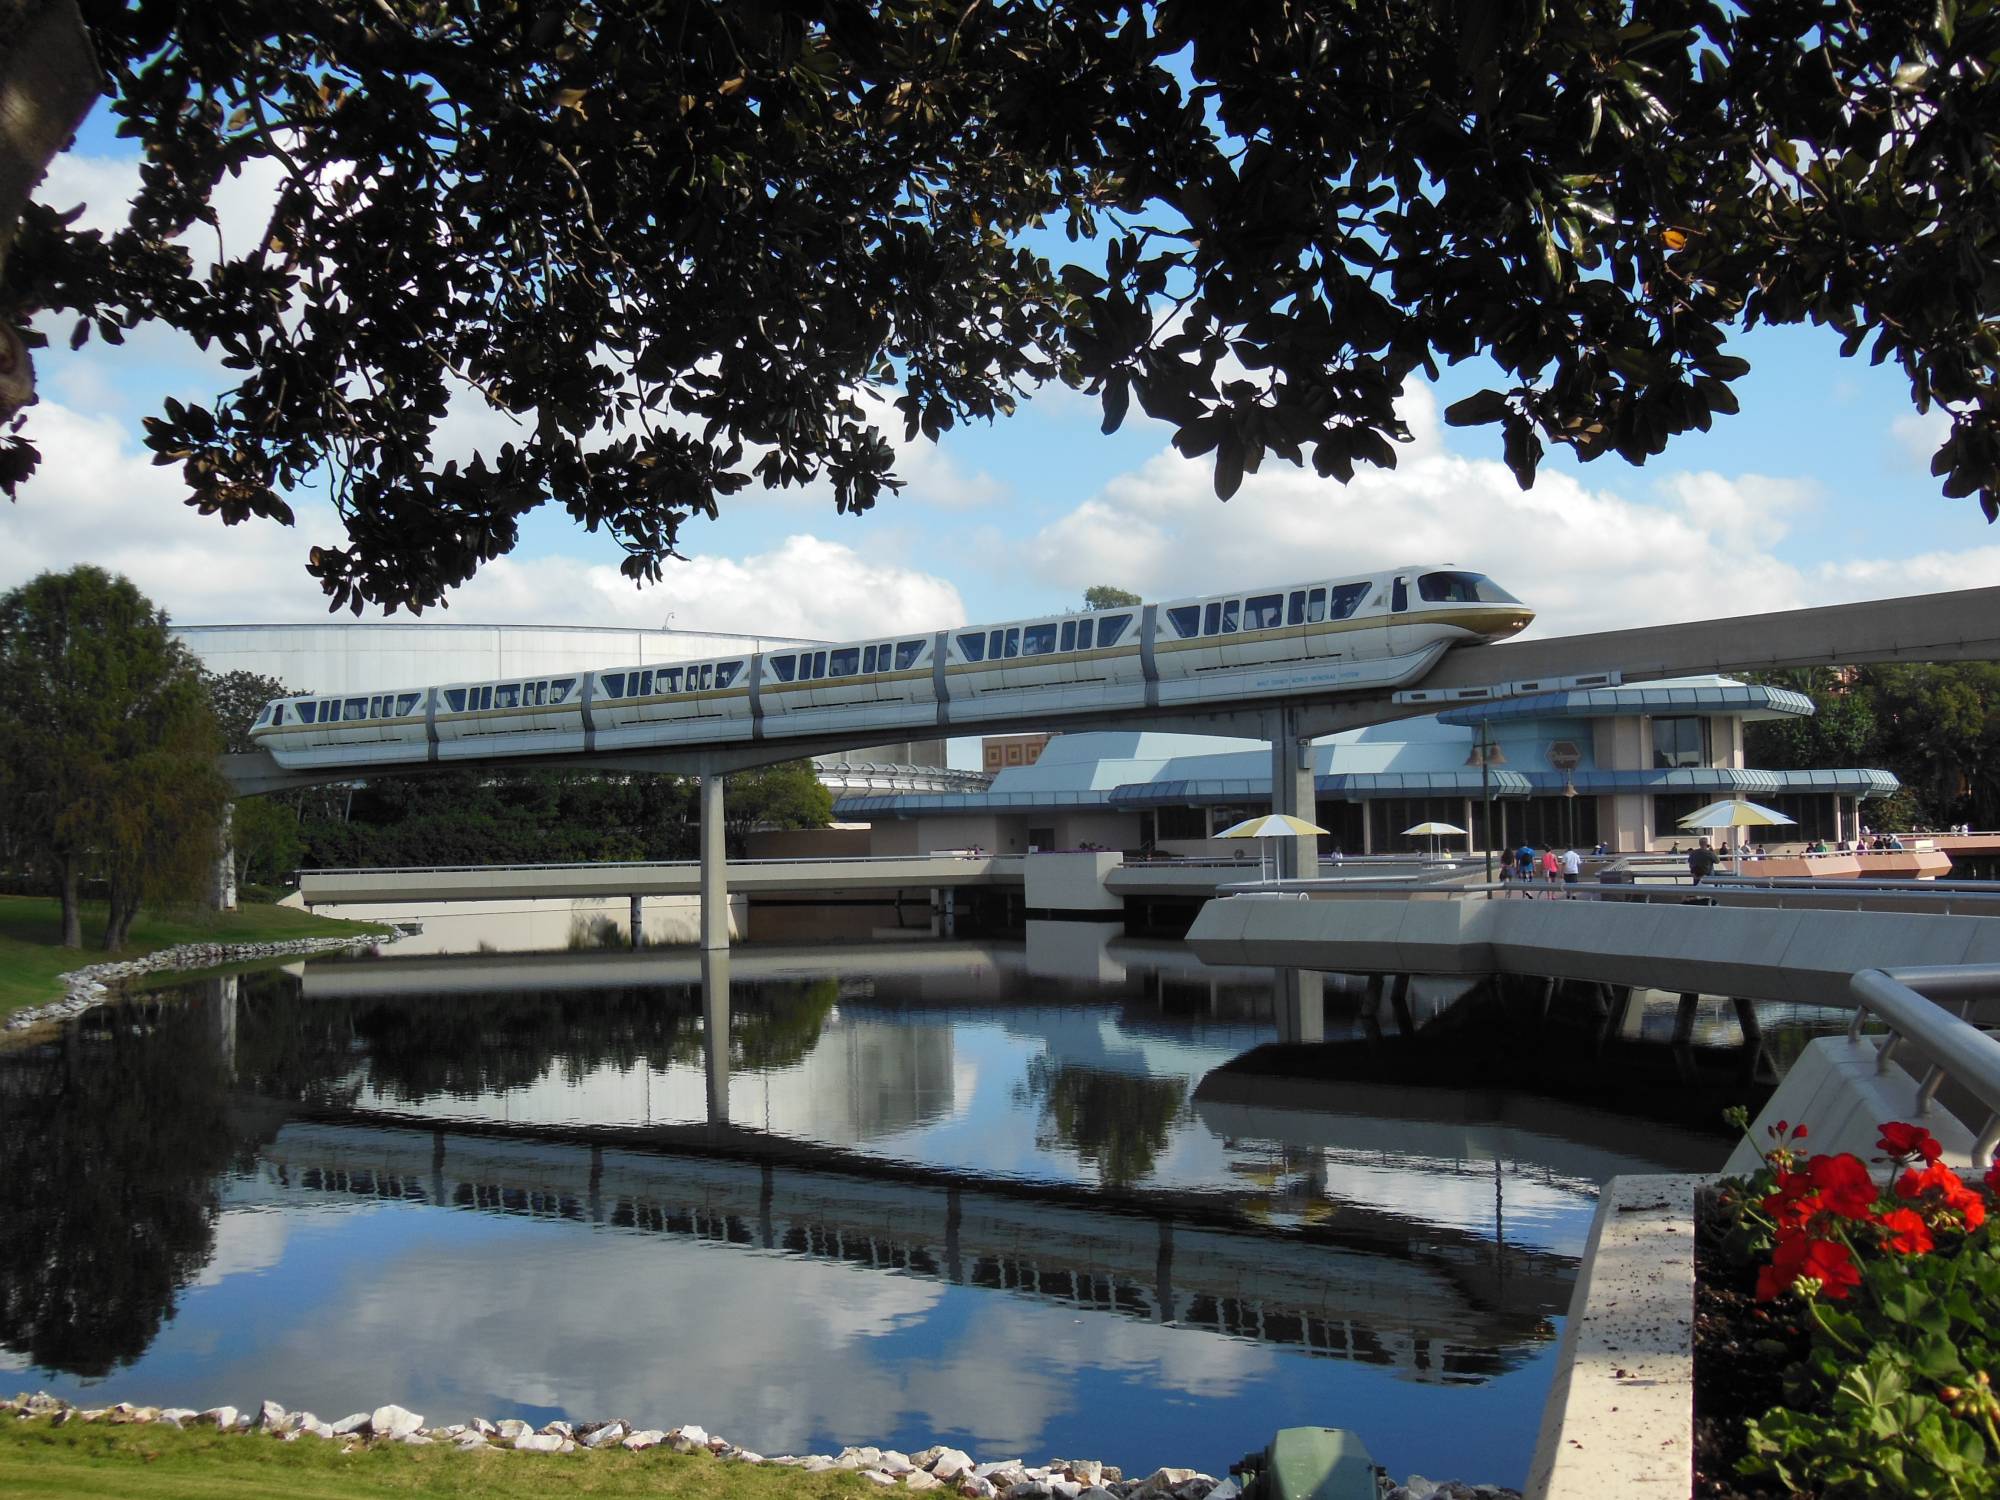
(1618, 765)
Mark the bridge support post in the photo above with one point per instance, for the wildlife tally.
(637, 922)
(714, 865)
(1293, 792)
(222, 888)
(1301, 995)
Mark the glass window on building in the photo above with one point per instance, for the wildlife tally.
(1680, 742)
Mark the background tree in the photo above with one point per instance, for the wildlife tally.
(789, 795)
(1104, 596)
(675, 239)
(108, 742)
(266, 839)
(236, 698)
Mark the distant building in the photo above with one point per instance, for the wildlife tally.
(1619, 765)
(1001, 752)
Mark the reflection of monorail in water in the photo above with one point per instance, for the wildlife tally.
(1453, 1313)
(1358, 634)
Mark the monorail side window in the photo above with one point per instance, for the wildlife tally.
(707, 671)
(1211, 621)
(1229, 617)
(907, 653)
(1295, 608)
(560, 689)
(725, 672)
(406, 704)
(781, 667)
(277, 715)
(844, 663)
(993, 644)
(1012, 648)
(454, 699)
(1038, 640)
(1186, 620)
(1084, 629)
(485, 697)
(357, 708)
(307, 712)
(1346, 600)
(1068, 636)
(1399, 596)
(507, 695)
(882, 657)
(973, 647)
(668, 679)
(1316, 605)
(868, 658)
(1265, 612)
(819, 664)
(1111, 629)
(614, 685)
(646, 680)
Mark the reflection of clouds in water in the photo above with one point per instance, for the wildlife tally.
(248, 1240)
(597, 1324)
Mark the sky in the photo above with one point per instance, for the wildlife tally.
(1818, 492)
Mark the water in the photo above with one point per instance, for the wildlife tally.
(989, 1193)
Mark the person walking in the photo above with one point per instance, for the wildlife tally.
(1572, 868)
(1701, 861)
(1551, 869)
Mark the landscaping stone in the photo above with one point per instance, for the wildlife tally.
(946, 1463)
(394, 1422)
(605, 1436)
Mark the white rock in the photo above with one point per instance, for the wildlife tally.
(605, 1436)
(223, 1417)
(1087, 1472)
(917, 1479)
(393, 1422)
(353, 1423)
(511, 1428)
(468, 1440)
(988, 1470)
(876, 1476)
(270, 1417)
(819, 1464)
(323, 1430)
(687, 1439)
(415, 1440)
(180, 1415)
(928, 1457)
(538, 1442)
(1229, 1489)
(568, 1446)
(745, 1456)
(1162, 1481)
(948, 1463)
(649, 1437)
(483, 1427)
(895, 1463)
(972, 1487)
(560, 1429)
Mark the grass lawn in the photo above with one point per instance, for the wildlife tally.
(98, 1462)
(31, 931)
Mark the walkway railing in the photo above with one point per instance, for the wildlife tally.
(1911, 1003)
(1935, 897)
(661, 864)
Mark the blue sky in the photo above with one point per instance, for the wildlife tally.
(1819, 491)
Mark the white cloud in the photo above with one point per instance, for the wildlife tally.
(1920, 433)
(105, 185)
(1703, 545)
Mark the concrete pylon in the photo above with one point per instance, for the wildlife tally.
(714, 865)
(222, 884)
(1301, 1004)
(1293, 792)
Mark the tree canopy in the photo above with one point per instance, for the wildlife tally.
(674, 240)
(107, 746)
(1108, 596)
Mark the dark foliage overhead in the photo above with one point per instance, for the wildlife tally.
(674, 238)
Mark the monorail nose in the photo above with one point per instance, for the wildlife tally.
(1513, 622)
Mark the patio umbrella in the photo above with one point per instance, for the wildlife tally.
(1433, 831)
(1270, 826)
(1735, 813)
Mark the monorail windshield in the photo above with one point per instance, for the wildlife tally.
(1462, 588)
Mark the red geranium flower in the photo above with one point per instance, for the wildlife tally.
(1908, 1234)
(1798, 1257)
(1905, 1141)
(1941, 1188)
(1844, 1185)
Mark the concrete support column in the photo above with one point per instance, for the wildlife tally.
(714, 865)
(1367, 830)
(1838, 822)
(637, 922)
(1292, 792)
(1301, 997)
(1470, 836)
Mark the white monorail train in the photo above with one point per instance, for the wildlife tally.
(1362, 634)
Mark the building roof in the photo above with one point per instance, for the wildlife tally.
(1689, 695)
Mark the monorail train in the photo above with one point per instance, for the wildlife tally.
(1345, 635)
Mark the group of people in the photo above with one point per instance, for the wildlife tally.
(1519, 868)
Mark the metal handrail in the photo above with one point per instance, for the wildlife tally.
(1885, 895)
(1910, 1002)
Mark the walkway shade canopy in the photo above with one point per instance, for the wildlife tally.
(1734, 814)
(1271, 826)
